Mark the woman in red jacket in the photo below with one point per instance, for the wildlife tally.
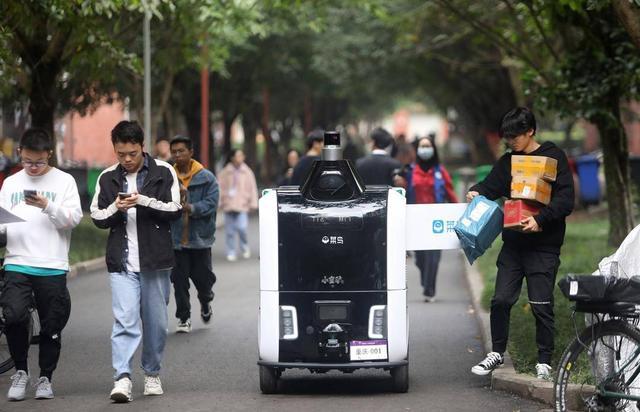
(431, 184)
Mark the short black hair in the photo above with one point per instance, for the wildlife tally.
(381, 138)
(127, 132)
(181, 139)
(36, 139)
(516, 122)
(316, 135)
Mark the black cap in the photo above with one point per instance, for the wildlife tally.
(332, 138)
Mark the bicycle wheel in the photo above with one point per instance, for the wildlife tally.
(6, 362)
(603, 358)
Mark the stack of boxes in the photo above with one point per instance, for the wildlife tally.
(530, 188)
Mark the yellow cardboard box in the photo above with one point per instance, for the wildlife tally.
(541, 167)
(530, 188)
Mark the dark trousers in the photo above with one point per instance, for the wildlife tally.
(194, 264)
(540, 269)
(54, 307)
(428, 262)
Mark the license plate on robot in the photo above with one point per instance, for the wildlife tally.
(363, 350)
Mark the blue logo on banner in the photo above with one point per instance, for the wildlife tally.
(438, 226)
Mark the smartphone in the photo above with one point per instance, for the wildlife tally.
(30, 193)
(123, 195)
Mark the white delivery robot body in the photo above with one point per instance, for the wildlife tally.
(333, 291)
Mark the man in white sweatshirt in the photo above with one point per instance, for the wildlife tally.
(36, 259)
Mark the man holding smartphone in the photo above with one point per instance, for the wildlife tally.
(136, 199)
(36, 259)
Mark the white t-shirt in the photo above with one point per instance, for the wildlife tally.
(43, 239)
(133, 255)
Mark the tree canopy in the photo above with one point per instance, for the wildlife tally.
(291, 65)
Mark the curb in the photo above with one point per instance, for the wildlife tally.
(82, 268)
(506, 378)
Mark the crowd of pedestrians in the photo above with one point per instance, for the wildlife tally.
(161, 217)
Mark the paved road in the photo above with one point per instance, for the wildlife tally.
(214, 367)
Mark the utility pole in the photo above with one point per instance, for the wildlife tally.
(147, 81)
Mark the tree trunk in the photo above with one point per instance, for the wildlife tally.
(187, 82)
(287, 134)
(228, 124)
(250, 124)
(307, 118)
(629, 15)
(163, 112)
(42, 100)
(616, 168)
(269, 149)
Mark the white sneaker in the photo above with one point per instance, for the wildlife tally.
(232, 258)
(43, 388)
(18, 389)
(184, 327)
(152, 386)
(121, 392)
(543, 371)
(487, 365)
(246, 253)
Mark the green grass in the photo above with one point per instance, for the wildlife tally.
(584, 246)
(87, 241)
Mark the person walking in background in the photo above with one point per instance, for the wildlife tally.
(407, 157)
(378, 168)
(315, 143)
(239, 195)
(431, 183)
(163, 151)
(293, 156)
(193, 234)
(534, 253)
(136, 199)
(37, 259)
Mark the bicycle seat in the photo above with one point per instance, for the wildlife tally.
(627, 309)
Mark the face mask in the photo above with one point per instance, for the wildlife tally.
(425, 153)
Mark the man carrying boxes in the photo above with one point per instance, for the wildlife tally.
(538, 180)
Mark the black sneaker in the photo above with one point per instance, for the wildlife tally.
(206, 312)
(492, 361)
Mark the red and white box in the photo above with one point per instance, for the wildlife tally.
(517, 210)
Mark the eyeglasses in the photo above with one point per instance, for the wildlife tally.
(33, 164)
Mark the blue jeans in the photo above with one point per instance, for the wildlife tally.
(236, 223)
(139, 302)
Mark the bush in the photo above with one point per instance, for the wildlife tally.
(584, 246)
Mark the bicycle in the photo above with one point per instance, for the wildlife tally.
(6, 362)
(600, 369)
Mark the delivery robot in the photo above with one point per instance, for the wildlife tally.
(333, 291)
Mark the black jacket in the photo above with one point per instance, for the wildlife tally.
(301, 169)
(551, 217)
(378, 169)
(158, 204)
